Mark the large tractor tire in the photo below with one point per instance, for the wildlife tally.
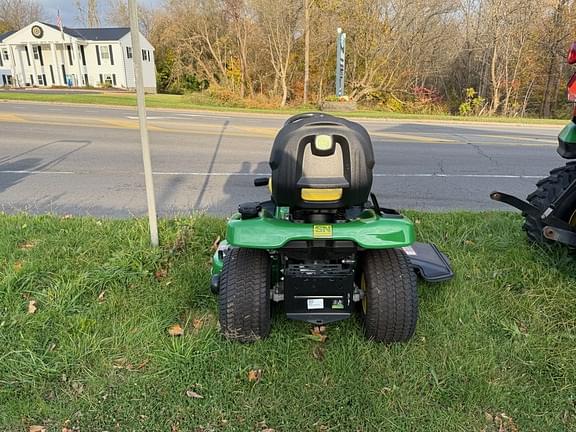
(548, 189)
(244, 298)
(390, 304)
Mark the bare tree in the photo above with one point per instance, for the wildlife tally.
(88, 13)
(279, 20)
(15, 14)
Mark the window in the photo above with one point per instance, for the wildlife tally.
(129, 52)
(104, 52)
(9, 78)
(5, 53)
(41, 80)
(69, 48)
(36, 53)
(144, 55)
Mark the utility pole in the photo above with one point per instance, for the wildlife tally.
(306, 48)
(137, 58)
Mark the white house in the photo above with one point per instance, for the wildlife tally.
(42, 55)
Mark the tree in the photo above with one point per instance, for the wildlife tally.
(88, 13)
(15, 14)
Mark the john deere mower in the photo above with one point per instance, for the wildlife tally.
(550, 211)
(321, 245)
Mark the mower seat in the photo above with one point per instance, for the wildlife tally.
(319, 161)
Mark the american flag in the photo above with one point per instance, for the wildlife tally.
(59, 23)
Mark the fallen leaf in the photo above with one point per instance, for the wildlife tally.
(143, 364)
(215, 244)
(101, 296)
(192, 394)
(161, 273)
(37, 428)
(122, 363)
(197, 324)
(77, 387)
(254, 375)
(67, 216)
(268, 430)
(469, 242)
(318, 333)
(319, 352)
(27, 245)
(65, 429)
(32, 306)
(18, 266)
(175, 330)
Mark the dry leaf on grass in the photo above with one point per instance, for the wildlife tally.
(175, 330)
(318, 333)
(18, 265)
(319, 352)
(101, 296)
(161, 273)
(197, 323)
(192, 394)
(27, 245)
(215, 244)
(254, 375)
(37, 428)
(32, 306)
(143, 364)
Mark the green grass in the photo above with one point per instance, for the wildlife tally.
(500, 338)
(200, 102)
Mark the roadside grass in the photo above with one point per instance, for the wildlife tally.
(494, 348)
(199, 102)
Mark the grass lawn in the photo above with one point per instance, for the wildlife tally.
(495, 349)
(197, 101)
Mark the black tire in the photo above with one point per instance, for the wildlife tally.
(390, 307)
(244, 298)
(547, 191)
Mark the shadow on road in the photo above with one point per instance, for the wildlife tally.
(14, 169)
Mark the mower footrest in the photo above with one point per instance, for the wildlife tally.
(429, 263)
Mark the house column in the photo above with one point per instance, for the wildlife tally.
(15, 80)
(33, 61)
(58, 71)
(78, 62)
(22, 78)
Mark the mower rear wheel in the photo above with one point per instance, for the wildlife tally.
(244, 298)
(548, 189)
(390, 304)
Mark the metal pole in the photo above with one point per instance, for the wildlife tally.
(137, 58)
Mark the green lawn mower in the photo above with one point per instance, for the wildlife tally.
(550, 211)
(322, 245)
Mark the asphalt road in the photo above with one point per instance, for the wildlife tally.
(87, 160)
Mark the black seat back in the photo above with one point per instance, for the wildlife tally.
(321, 161)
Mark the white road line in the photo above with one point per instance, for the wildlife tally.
(220, 174)
(35, 172)
(217, 174)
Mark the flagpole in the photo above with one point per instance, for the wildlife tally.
(149, 181)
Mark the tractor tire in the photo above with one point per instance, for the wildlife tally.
(390, 304)
(244, 298)
(548, 189)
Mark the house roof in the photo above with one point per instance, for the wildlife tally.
(5, 35)
(93, 34)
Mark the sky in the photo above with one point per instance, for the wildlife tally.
(68, 10)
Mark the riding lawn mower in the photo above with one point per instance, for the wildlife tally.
(550, 211)
(322, 245)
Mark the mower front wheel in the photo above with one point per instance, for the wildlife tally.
(390, 304)
(244, 297)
